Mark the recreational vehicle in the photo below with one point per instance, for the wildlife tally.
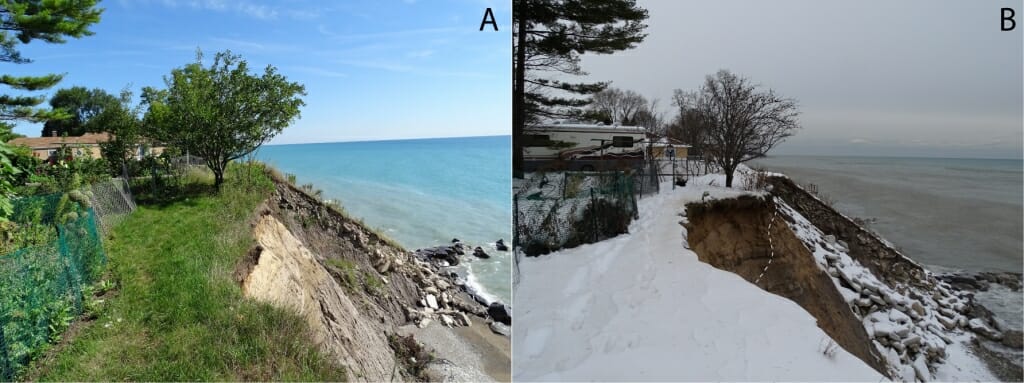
(583, 147)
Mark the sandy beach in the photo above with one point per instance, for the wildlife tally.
(472, 353)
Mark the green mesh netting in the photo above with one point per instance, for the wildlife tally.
(566, 209)
(41, 285)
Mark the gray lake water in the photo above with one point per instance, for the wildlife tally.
(959, 214)
(948, 214)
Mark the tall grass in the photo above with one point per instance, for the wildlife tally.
(179, 315)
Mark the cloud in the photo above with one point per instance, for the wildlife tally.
(319, 71)
(253, 46)
(393, 66)
(377, 64)
(382, 35)
(860, 141)
(253, 9)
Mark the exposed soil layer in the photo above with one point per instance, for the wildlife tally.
(903, 274)
(354, 287)
(733, 235)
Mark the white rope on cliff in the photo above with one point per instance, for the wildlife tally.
(771, 247)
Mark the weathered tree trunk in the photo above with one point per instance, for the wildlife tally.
(519, 99)
(218, 175)
(728, 175)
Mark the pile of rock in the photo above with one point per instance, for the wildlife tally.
(447, 255)
(446, 297)
(440, 299)
(909, 325)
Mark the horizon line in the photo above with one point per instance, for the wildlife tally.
(892, 156)
(388, 139)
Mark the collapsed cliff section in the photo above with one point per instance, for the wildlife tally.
(874, 302)
(734, 235)
(354, 287)
(863, 262)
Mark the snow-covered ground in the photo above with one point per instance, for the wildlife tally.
(641, 306)
(910, 334)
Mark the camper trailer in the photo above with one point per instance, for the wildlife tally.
(584, 147)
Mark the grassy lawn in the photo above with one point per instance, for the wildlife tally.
(178, 314)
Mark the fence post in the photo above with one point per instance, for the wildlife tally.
(515, 239)
(593, 219)
(632, 194)
(6, 372)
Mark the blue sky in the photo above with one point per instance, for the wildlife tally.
(372, 69)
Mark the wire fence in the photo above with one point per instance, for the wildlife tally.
(684, 168)
(41, 285)
(112, 201)
(567, 209)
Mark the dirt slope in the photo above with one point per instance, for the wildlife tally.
(355, 287)
(287, 274)
(732, 235)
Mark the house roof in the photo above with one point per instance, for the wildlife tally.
(56, 142)
(670, 141)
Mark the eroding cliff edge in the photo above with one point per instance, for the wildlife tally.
(874, 302)
(287, 274)
(356, 289)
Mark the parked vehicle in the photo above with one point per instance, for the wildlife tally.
(585, 147)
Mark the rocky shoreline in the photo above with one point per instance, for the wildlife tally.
(983, 280)
(911, 313)
(451, 290)
(381, 310)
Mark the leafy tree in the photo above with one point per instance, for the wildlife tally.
(222, 112)
(549, 36)
(8, 173)
(7, 132)
(22, 21)
(81, 105)
(742, 123)
(122, 121)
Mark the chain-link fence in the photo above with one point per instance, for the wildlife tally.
(684, 167)
(566, 209)
(41, 284)
(112, 200)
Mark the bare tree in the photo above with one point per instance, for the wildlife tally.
(650, 119)
(743, 123)
(688, 126)
(616, 105)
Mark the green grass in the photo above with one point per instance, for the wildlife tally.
(350, 277)
(179, 315)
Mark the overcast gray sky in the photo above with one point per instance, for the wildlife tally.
(906, 78)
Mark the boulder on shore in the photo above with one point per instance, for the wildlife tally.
(500, 312)
(449, 254)
(479, 253)
(500, 329)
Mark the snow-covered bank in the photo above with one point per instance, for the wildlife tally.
(641, 306)
(915, 332)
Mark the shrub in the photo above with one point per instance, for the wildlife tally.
(601, 219)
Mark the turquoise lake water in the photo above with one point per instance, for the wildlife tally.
(419, 192)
